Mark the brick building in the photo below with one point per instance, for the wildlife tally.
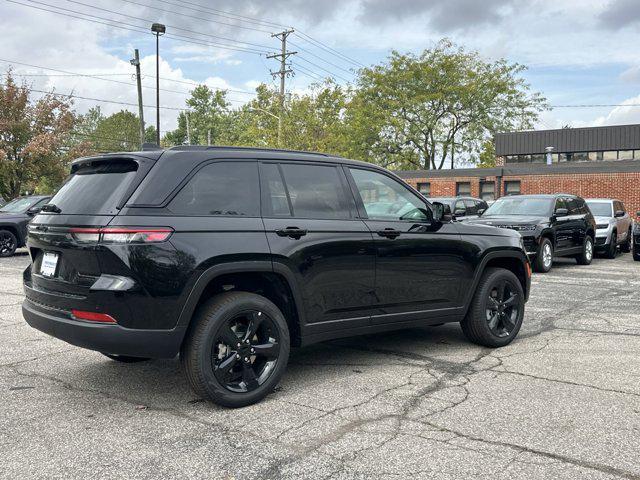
(590, 162)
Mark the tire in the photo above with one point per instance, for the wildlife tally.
(612, 248)
(544, 258)
(626, 246)
(477, 323)
(586, 256)
(636, 253)
(125, 358)
(8, 243)
(212, 363)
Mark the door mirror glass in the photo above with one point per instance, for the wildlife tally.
(619, 213)
(441, 212)
(33, 211)
(459, 212)
(561, 212)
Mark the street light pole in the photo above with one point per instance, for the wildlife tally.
(158, 29)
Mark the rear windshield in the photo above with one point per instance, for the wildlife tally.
(96, 188)
(600, 209)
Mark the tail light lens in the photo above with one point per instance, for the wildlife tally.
(121, 235)
(93, 316)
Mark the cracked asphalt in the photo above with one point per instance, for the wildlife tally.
(562, 401)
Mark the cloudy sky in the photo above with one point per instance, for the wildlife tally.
(578, 52)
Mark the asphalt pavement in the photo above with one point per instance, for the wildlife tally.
(562, 401)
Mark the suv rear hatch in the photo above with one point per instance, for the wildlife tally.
(65, 257)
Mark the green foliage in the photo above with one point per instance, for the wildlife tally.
(34, 134)
(419, 111)
(487, 157)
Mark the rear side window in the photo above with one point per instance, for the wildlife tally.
(95, 188)
(316, 191)
(472, 209)
(221, 188)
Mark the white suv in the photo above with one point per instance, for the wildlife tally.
(613, 225)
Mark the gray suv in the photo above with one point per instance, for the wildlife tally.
(613, 225)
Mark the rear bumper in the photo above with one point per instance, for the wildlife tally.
(113, 339)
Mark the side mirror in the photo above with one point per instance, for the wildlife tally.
(561, 212)
(481, 211)
(460, 213)
(33, 211)
(441, 212)
(619, 213)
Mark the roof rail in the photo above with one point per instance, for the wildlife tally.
(262, 149)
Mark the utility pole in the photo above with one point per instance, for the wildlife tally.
(158, 29)
(186, 116)
(209, 137)
(285, 71)
(136, 62)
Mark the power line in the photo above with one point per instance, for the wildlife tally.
(322, 68)
(127, 26)
(603, 105)
(320, 58)
(264, 47)
(193, 16)
(327, 48)
(306, 72)
(73, 74)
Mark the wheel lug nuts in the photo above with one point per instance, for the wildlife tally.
(239, 345)
(253, 350)
(246, 359)
(237, 355)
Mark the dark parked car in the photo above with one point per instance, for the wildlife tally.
(463, 208)
(636, 239)
(230, 256)
(14, 217)
(558, 225)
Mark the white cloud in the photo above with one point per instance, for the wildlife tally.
(622, 115)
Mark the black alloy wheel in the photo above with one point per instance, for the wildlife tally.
(8, 243)
(497, 309)
(236, 349)
(245, 351)
(503, 308)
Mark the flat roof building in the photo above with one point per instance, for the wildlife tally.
(590, 162)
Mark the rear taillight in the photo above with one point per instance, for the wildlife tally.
(93, 316)
(124, 235)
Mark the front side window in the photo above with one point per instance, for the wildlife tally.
(472, 209)
(460, 208)
(316, 191)
(387, 199)
(221, 188)
(573, 206)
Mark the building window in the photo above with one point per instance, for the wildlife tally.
(511, 159)
(625, 155)
(611, 155)
(594, 156)
(463, 189)
(581, 157)
(487, 191)
(512, 187)
(425, 189)
(636, 154)
(539, 158)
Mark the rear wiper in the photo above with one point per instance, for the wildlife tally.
(50, 207)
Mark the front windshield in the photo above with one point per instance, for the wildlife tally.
(19, 205)
(517, 205)
(600, 209)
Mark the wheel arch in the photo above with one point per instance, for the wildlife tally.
(13, 229)
(513, 261)
(276, 284)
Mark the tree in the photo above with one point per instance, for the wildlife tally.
(487, 157)
(34, 139)
(208, 112)
(420, 111)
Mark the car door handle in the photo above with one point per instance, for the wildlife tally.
(389, 233)
(293, 232)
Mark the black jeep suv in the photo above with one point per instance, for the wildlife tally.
(551, 225)
(229, 256)
(14, 217)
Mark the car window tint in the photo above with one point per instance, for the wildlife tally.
(472, 209)
(316, 191)
(460, 206)
(274, 193)
(386, 199)
(221, 188)
(560, 203)
(572, 206)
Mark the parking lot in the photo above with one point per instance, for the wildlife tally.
(563, 401)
